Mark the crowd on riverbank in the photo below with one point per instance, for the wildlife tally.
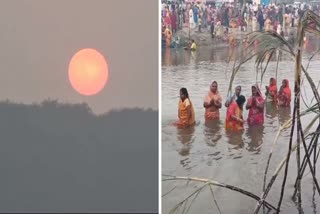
(226, 21)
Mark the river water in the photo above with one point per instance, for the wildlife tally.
(206, 151)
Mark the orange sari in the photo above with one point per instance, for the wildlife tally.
(232, 42)
(231, 124)
(212, 112)
(185, 119)
(284, 97)
(168, 35)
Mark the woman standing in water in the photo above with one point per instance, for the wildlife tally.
(271, 92)
(234, 96)
(234, 119)
(212, 102)
(284, 94)
(255, 105)
(185, 110)
(168, 36)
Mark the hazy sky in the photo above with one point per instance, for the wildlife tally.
(39, 37)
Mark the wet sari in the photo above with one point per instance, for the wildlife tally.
(256, 114)
(168, 36)
(185, 119)
(272, 95)
(212, 112)
(232, 124)
(284, 96)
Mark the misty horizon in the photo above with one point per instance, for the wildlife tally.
(66, 103)
(59, 157)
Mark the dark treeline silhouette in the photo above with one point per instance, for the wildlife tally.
(63, 158)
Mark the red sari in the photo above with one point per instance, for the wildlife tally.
(167, 19)
(272, 95)
(256, 115)
(232, 124)
(275, 25)
(173, 18)
(284, 95)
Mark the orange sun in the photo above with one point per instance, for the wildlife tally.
(88, 72)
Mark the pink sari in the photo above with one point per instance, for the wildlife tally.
(256, 115)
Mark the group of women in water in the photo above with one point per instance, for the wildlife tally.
(234, 104)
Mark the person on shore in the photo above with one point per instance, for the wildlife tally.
(284, 94)
(167, 19)
(209, 15)
(212, 102)
(255, 105)
(195, 15)
(191, 19)
(226, 35)
(219, 29)
(212, 29)
(292, 19)
(275, 25)
(186, 112)
(187, 14)
(271, 91)
(173, 19)
(234, 97)
(234, 120)
(254, 24)
(260, 19)
(268, 24)
(199, 23)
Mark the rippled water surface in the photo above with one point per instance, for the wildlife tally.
(206, 151)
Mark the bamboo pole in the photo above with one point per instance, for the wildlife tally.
(216, 183)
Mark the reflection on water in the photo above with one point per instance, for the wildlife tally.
(255, 135)
(235, 138)
(185, 136)
(284, 114)
(212, 132)
(207, 150)
(271, 111)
